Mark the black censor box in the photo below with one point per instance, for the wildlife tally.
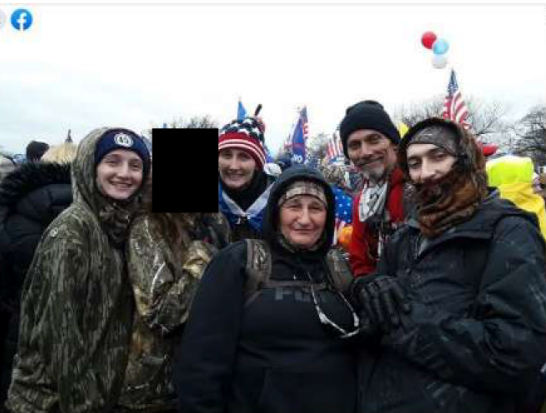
(185, 170)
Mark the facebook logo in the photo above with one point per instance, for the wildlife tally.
(21, 19)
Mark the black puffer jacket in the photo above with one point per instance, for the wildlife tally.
(476, 335)
(30, 198)
(271, 355)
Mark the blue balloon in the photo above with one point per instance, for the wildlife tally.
(440, 46)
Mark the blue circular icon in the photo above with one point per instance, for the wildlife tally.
(21, 19)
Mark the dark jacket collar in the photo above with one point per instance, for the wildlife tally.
(482, 223)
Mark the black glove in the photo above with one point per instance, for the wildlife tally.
(382, 298)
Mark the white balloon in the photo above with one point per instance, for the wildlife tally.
(439, 61)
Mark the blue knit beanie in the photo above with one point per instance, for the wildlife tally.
(123, 139)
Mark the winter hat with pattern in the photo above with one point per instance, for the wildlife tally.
(440, 136)
(247, 135)
(303, 188)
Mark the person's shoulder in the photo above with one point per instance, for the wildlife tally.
(140, 224)
(143, 232)
(73, 224)
(512, 223)
(502, 218)
(36, 184)
(236, 250)
(230, 261)
(500, 209)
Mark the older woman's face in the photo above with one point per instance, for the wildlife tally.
(236, 167)
(302, 220)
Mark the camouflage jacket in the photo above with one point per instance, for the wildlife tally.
(163, 284)
(77, 308)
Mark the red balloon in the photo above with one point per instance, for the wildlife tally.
(489, 149)
(428, 39)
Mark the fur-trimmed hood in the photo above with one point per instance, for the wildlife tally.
(29, 177)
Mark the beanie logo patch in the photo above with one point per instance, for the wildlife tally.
(122, 139)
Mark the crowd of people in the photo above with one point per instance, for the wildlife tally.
(436, 301)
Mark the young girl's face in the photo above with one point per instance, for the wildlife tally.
(119, 174)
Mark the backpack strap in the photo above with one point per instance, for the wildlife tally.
(340, 272)
(258, 268)
(258, 272)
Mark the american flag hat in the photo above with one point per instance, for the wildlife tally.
(246, 134)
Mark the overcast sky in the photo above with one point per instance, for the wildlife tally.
(81, 67)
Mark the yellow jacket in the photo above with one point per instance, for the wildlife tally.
(513, 176)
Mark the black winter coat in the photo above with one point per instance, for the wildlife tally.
(30, 198)
(271, 355)
(476, 336)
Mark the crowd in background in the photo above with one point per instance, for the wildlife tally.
(409, 278)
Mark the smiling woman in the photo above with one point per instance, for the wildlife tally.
(77, 314)
(243, 185)
(121, 160)
(236, 168)
(303, 214)
(119, 174)
(287, 346)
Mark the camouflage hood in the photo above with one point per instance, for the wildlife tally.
(78, 307)
(114, 216)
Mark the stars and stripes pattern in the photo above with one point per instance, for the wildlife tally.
(455, 108)
(334, 150)
(344, 210)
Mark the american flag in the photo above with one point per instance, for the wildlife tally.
(454, 107)
(334, 151)
(305, 123)
(302, 120)
(344, 211)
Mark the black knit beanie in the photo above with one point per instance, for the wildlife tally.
(367, 114)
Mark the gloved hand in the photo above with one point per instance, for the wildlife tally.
(382, 298)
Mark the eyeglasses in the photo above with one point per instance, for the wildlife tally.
(324, 320)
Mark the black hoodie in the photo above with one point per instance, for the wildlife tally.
(273, 355)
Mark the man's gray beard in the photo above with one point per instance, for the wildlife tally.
(375, 176)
